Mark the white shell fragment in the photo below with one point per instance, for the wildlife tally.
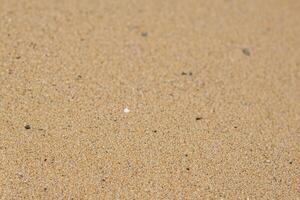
(126, 110)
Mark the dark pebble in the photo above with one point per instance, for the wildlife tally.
(27, 126)
(185, 73)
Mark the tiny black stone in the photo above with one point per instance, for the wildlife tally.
(45, 159)
(291, 162)
(199, 118)
(45, 189)
(27, 126)
(186, 155)
(188, 169)
(155, 131)
(144, 34)
(183, 73)
(103, 179)
(235, 127)
(246, 52)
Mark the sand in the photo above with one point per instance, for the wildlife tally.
(132, 99)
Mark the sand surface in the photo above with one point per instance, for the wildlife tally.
(160, 99)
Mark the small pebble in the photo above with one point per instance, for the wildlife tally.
(27, 126)
(183, 73)
(144, 34)
(186, 73)
(246, 52)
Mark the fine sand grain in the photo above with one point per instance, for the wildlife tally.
(157, 99)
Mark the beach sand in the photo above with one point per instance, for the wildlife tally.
(133, 99)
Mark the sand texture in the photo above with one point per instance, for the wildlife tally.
(157, 99)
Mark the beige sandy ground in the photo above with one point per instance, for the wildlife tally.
(213, 89)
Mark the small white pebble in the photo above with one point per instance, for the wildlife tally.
(126, 110)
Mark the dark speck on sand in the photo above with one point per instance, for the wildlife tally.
(246, 51)
(27, 126)
(144, 34)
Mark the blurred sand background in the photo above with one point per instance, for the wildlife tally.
(212, 89)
